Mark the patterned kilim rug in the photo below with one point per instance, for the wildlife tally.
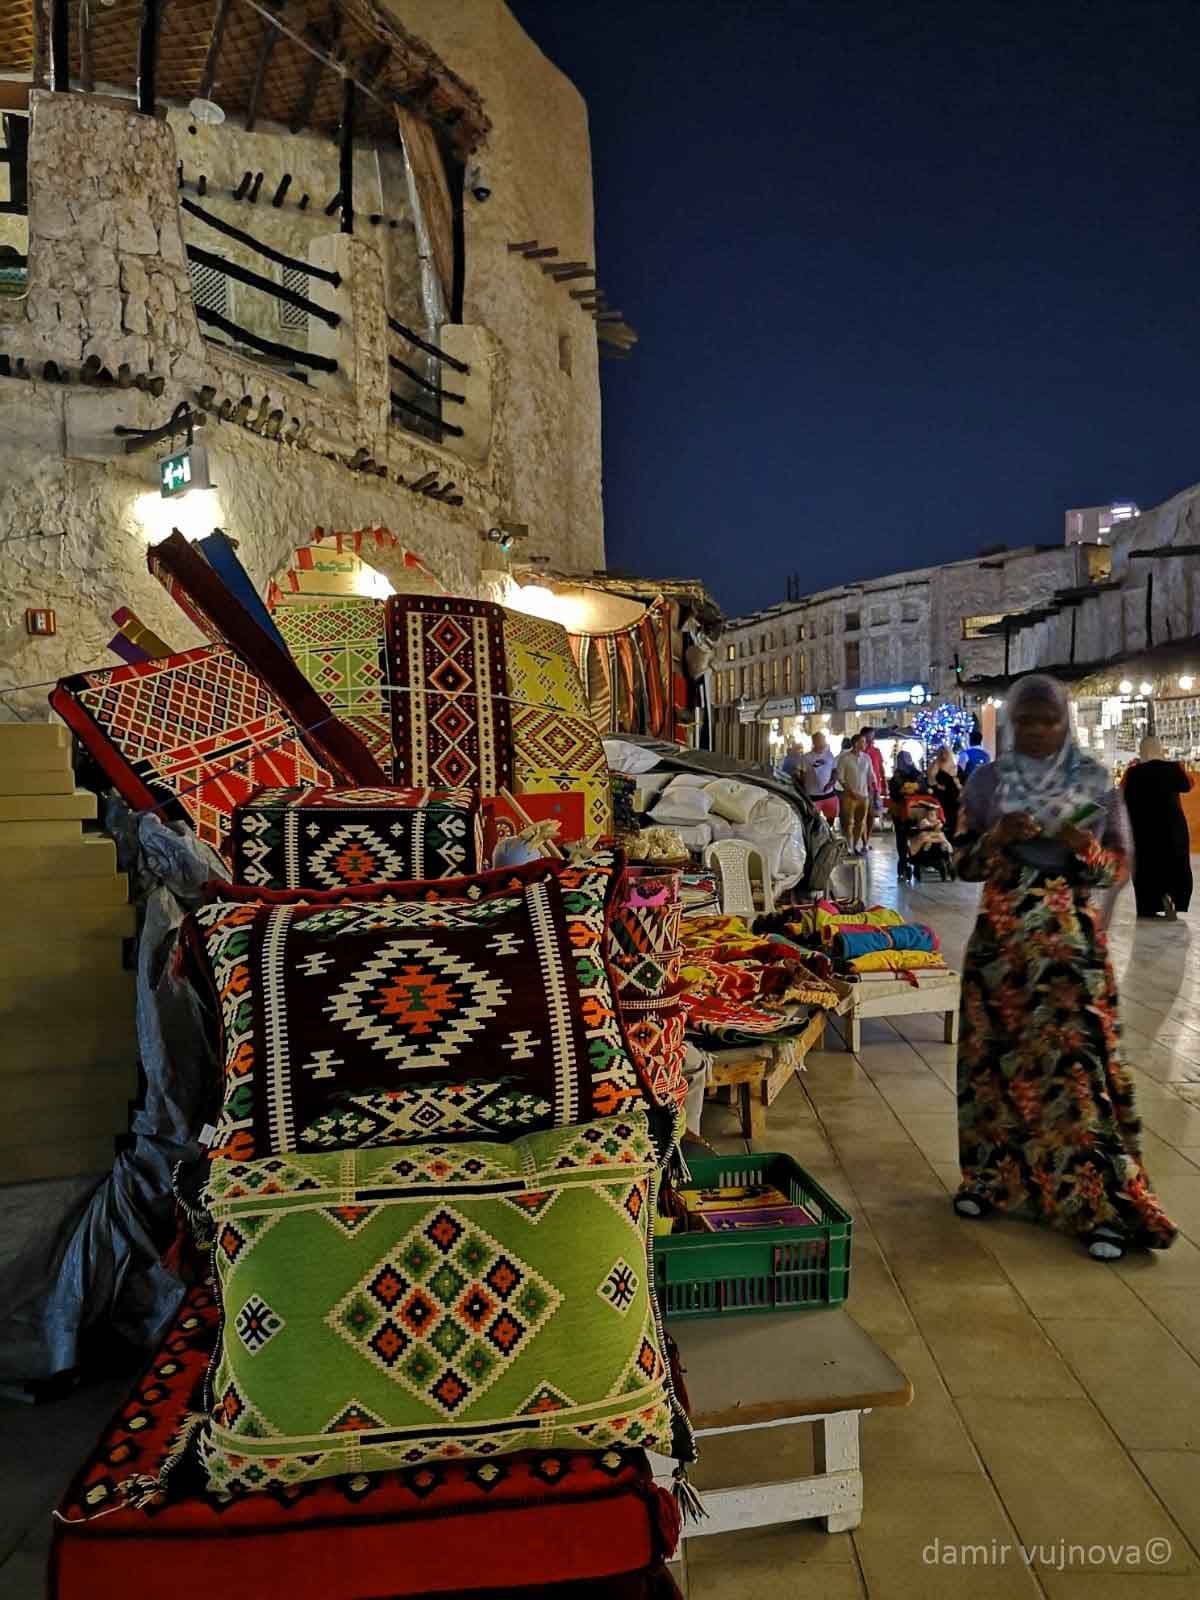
(530, 1525)
(451, 720)
(344, 838)
(491, 698)
(203, 595)
(338, 646)
(193, 734)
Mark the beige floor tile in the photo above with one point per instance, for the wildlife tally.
(1085, 1291)
(1174, 1475)
(920, 1538)
(928, 1435)
(949, 1175)
(799, 1543)
(875, 1302)
(935, 1134)
(1180, 1199)
(1086, 1582)
(1063, 1477)
(1147, 1387)
(923, 1096)
(1172, 1119)
(987, 1344)
(943, 1264)
(1020, 1241)
(1177, 1267)
(756, 1577)
(1162, 1160)
(1177, 1309)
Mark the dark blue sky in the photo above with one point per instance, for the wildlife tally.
(909, 279)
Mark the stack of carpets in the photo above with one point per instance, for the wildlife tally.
(459, 693)
(431, 1192)
(741, 987)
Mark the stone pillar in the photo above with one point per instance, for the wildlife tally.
(359, 343)
(480, 351)
(107, 270)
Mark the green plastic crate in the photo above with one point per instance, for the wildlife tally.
(769, 1269)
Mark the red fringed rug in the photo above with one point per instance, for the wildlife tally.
(583, 1526)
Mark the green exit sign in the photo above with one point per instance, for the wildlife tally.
(186, 469)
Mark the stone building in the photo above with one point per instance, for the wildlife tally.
(322, 409)
(870, 652)
(1128, 644)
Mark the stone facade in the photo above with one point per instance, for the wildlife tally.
(905, 629)
(1156, 601)
(108, 277)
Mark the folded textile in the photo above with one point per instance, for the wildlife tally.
(733, 1022)
(852, 943)
(896, 961)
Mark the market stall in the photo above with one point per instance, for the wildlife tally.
(440, 1169)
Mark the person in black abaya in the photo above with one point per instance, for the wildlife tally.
(1162, 869)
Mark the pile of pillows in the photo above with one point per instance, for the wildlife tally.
(702, 809)
(706, 809)
(433, 1179)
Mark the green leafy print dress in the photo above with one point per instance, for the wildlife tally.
(1046, 1116)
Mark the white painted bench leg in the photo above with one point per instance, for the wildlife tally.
(952, 1027)
(854, 1036)
(836, 1449)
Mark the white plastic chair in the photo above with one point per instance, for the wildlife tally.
(733, 859)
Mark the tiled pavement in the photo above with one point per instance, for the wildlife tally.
(1057, 1399)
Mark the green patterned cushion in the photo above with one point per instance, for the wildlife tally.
(383, 1308)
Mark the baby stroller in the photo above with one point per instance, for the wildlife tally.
(921, 840)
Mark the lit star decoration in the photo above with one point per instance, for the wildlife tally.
(943, 725)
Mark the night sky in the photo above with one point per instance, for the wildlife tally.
(910, 280)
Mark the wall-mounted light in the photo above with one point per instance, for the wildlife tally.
(1125, 687)
(1186, 681)
(206, 111)
(506, 534)
(1145, 688)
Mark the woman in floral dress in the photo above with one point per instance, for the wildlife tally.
(1046, 1117)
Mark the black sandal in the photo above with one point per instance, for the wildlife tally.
(972, 1206)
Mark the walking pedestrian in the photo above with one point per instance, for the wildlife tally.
(946, 788)
(791, 762)
(816, 775)
(879, 783)
(972, 757)
(1162, 865)
(855, 776)
(906, 781)
(1046, 1116)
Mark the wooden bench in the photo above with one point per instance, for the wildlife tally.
(890, 994)
(755, 1074)
(767, 1371)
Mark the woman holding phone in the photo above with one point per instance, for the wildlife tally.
(1046, 1117)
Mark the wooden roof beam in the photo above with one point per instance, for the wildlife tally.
(216, 38)
(270, 39)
